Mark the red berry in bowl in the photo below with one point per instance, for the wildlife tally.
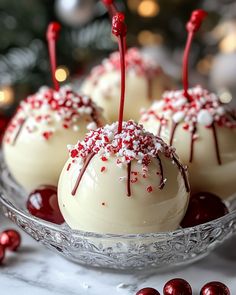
(148, 291)
(10, 239)
(43, 203)
(3, 125)
(177, 287)
(2, 253)
(215, 288)
(203, 207)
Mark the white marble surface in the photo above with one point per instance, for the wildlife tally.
(35, 270)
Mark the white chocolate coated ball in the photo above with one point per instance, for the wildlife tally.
(106, 93)
(145, 82)
(101, 203)
(35, 142)
(205, 172)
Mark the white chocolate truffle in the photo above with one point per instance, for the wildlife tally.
(204, 135)
(145, 81)
(130, 182)
(35, 142)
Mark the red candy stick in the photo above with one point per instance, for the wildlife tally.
(192, 27)
(52, 36)
(119, 29)
(110, 7)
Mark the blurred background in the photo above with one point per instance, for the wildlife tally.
(156, 25)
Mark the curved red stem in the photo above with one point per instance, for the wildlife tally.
(122, 47)
(52, 36)
(185, 64)
(192, 27)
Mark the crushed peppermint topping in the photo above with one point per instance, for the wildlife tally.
(133, 143)
(137, 63)
(40, 110)
(204, 108)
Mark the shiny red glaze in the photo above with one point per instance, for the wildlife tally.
(107, 2)
(10, 239)
(53, 30)
(203, 207)
(148, 291)
(177, 287)
(196, 20)
(2, 253)
(119, 27)
(43, 203)
(215, 288)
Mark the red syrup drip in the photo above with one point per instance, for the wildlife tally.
(159, 130)
(19, 131)
(216, 144)
(183, 173)
(128, 179)
(192, 144)
(52, 36)
(162, 183)
(149, 88)
(86, 163)
(192, 27)
(172, 134)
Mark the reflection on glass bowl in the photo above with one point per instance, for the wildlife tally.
(158, 250)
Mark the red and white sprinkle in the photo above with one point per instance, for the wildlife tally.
(137, 63)
(133, 143)
(40, 110)
(205, 108)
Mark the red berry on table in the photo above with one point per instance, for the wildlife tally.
(43, 203)
(215, 288)
(2, 253)
(10, 239)
(177, 287)
(148, 291)
(203, 207)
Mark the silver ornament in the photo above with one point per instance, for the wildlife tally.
(222, 76)
(75, 12)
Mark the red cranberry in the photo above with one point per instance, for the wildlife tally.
(10, 239)
(43, 203)
(148, 291)
(215, 288)
(203, 207)
(177, 287)
(2, 253)
(3, 125)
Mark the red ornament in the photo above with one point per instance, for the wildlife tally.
(2, 253)
(148, 291)
(177, 287)
(43, 203)
(203, 207)
(10, 239)
(215, 288)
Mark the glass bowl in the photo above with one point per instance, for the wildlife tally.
(124, 252)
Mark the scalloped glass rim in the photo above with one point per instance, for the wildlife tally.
(66, 229)
(116, 251)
